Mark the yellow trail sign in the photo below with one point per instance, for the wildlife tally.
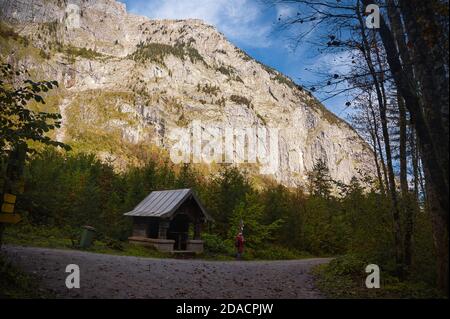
(7, 208)
(9, 198)
(10, 218)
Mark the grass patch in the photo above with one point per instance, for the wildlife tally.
(18, 46)
(344, 277)
(215, 247)
(275, 75)
(7, 32)
(52, 237)
(27, 235)
(127, 249)
(274, 252)
(49, 28)
(218, 249)
(243, 55)
(285, 80)
(182, 121)
(328, 115)
(16, 284)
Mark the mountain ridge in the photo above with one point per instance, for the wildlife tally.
(127, 78)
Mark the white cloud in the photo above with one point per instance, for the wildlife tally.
(339, 62)
(285, 11)
(239, 20)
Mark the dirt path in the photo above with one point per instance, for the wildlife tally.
(109, 276)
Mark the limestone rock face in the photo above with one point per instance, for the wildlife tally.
(127, 80)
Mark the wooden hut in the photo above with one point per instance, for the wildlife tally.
(163, 220)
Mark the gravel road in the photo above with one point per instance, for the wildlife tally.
(109, 276)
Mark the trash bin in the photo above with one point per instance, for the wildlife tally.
(87, 236)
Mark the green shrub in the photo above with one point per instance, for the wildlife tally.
(241, 100)
(156, 52)
(214, 244)
(278, 253)
(348, 265)
(263, 120)
(193, 54)
(226, 70)
(230, 72)
(73, 52)
(344, 277)
(208, 89)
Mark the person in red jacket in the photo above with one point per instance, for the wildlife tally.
(239, 245)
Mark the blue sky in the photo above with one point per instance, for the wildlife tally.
(253, 26)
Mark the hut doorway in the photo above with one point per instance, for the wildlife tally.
(179, 231)
(152, 228)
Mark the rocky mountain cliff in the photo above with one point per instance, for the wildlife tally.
(128, 81)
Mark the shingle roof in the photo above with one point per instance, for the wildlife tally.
(165, 203)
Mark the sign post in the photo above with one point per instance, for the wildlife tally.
(11, 186)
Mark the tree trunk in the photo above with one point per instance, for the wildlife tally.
(431, 159)
(373, 136)
(426, 34)
(415, 164)
(402, 146)
(425, 108)
(440, 235)
(408, 209)
(380, 149)
(387, 148)
(2, 229)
